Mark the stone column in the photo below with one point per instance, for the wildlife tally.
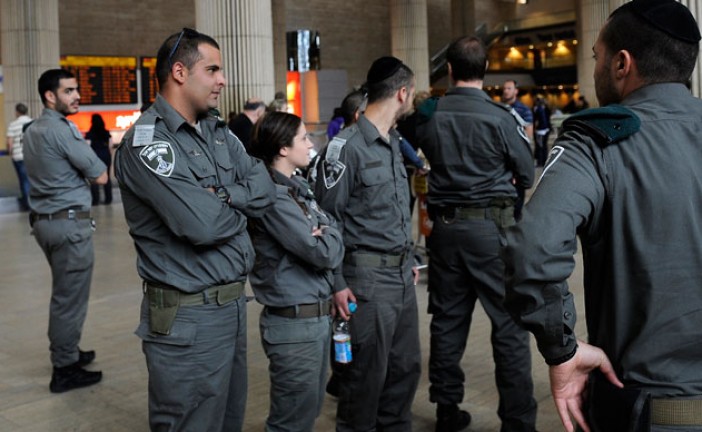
(409, 37)
(244, 31)
(30, 45)
(695, 7)
(592, 15)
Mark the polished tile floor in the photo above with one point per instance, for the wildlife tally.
(118, 403)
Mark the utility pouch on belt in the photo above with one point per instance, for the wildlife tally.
(163, 307)
(615, 409)
(502, 211)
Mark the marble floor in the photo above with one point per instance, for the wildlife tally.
(118, 403)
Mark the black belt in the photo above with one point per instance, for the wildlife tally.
(362, 259)
(220, 294)
(63, 214)
(312, 310)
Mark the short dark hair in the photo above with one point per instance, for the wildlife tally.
(51, 81)
(350, 105)
(186, 52)
(386, 88)
(659, 56)
(467, 57)
(273, 132)
(21, 108)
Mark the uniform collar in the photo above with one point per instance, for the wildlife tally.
(296, 183)
(469, 91)
(168, 114)
(370, 132)
(660, 94)
(52, 113)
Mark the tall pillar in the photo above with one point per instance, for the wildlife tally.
(410, 38)
(30, 45)
(244, 31)
(592, 15)
(695, 7)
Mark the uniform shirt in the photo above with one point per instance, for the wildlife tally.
(475, 149)
(292, 266)
(362, 182)
(14, 131)
(185, 236)
(635, 204)
(58, 162)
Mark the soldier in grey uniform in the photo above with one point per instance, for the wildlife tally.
(61, 166)
(188, 186)
(362, 182)
(297, 247)
(478, 153)
(626, 179)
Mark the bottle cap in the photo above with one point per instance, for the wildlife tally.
(352, 307)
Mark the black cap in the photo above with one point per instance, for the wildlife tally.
(668, 16)
(382, 69)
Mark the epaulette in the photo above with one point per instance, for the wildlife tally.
(427, 109)
(606, 125)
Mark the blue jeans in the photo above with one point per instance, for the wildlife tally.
(23, 183)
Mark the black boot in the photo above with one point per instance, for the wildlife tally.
(72, 377)
(85, 358)
(450, 419)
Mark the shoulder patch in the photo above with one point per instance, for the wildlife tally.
(334, 149)
(159, 158)
(606, 125)
(428, 108)
(332, 173)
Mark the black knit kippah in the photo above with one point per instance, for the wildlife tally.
(668, 16)
(382, 69)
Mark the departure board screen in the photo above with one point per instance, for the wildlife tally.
(149, 83)
(104, 80)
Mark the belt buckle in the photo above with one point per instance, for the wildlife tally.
(71, 214)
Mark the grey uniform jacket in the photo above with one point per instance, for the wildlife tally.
(59, 162)
(475, 149)
(292, 266)
(184, 234)
(362, 182)
(635, 204)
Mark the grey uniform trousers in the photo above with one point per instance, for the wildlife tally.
(298, 352)
(464, 266)
(377, 388)
(197, 373)
(68, 246)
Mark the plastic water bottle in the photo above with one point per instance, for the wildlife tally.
(342, 338)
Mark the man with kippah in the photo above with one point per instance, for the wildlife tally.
(362, 182)
(626, 179)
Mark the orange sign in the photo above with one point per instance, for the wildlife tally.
(114, 120)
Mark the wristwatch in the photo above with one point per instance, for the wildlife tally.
(222, 193)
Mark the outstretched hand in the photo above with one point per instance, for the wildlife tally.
(569, 381)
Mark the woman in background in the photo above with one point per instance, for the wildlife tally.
(100, 140)
(297, 247)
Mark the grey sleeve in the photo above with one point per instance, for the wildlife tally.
(539, 254)
(287, 224)
(189, 210)
(78, 152)
(333, 196)
(518, 150)
(253, 191)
